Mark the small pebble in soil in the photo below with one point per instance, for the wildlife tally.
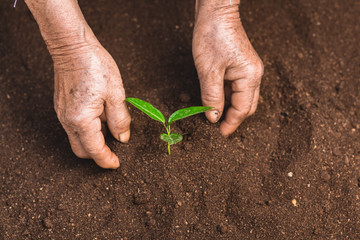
(141, 198)
(61, 207)
(347, 160)
(184, 97)
(317, 230)
(336, 151)
(107, 206)
(26, 233)
(294, 202)
(325, 175)
(290, 174)
(188, 146)
(151, 222)
(222, 228)
(163, 210)
(47, 223)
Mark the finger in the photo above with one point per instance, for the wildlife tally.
(118, 120)
(93, 141)
(255, 101)
(241, 101)
(212, 92)
(76, 145)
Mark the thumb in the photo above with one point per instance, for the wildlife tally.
(118, 118)
(212, 92)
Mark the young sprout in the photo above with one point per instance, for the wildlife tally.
(152, 112)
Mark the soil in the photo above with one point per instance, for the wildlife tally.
(291, 171)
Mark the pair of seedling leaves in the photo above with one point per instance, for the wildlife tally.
(152, 112)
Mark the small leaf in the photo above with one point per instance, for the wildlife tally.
(172, 139)
(147, 108)
(187, 112)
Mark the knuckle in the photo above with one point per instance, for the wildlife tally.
(256, 70)
(80, 121)
(122, 123)
(116, 96)
(245, 111)
(210, 97)
(62, 117)
(242, 112)
(65, 119)
(80, 154)
(95, 150)
(212, 74)
(207, 71)
(75, 120)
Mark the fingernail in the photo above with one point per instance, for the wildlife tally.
(213, 116)
(124, 137)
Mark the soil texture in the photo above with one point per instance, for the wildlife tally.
(291, 171)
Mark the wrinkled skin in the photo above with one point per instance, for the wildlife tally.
(225, 59)
(88, 91)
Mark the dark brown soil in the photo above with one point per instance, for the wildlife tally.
(303, 143)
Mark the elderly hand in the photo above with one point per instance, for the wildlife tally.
(89, 90)
(88, 85)
(224, 57)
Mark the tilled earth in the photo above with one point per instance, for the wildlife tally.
(291, 171)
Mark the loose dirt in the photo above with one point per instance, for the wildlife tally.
(291, 171)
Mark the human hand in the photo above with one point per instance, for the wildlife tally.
(225, 59)
(88, 85)
(88, 91)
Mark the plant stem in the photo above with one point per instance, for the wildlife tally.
(167, 129)
(169, 143)
(168, 133)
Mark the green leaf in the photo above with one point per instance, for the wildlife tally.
(147, 108)
(187, 112)
(172, 139)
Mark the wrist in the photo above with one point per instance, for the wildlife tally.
(69, 42)
(213, 5)
(62, 25)
(217, 8)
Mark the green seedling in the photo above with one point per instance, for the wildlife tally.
(152, 112)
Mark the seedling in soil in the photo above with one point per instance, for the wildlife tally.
(152, 112)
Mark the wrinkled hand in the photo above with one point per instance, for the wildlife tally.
(89, 91)
(222, 53)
